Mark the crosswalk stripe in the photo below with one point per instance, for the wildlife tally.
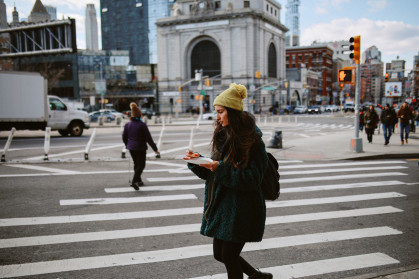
(341, 170)
(289, 180)
(340, 177)
(329, 165)
(341, 186)
(154, 231)
(102, 201)
(156, 188)
(320, 267)
(39, 168)
(25, 221)
(73, 264)
(283, 190)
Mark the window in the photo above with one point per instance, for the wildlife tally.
(272, 67)
(246, 4)
(55, 104)
(267, 8)
(218, 5)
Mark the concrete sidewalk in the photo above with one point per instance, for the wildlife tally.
(337, 146)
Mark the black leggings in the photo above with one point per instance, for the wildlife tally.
(139, 157)
(229, 254)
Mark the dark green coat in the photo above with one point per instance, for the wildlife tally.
(238, 209)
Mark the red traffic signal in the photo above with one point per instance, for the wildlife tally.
(386, 77)
(356, 48)
(345, 76)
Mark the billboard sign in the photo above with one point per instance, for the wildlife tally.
(393, 89)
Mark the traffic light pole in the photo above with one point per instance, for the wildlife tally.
(356, 143)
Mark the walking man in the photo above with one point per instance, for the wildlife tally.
(405, 114)
(388, 117)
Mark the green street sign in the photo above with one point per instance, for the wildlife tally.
(268, 88)
(203, 92)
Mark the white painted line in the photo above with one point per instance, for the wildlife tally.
(341, 170)
(120, 234)
(341, 186)
(289, 161)
(27, 221)
(177, 149)
(354, 198)
(340, 164)
(167, 179)
(103, 201)
(340, 177)
(320, 267)
(75, 152)
(74, 264)
(156, 188)
(39, 168)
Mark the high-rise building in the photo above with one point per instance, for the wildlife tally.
(52, 11)
(292, 21)
(15, 17)
(130, 25)
(3, 16)
(91, 28)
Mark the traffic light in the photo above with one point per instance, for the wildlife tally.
(356, 48)
(257, 74)
(345, 75)
(386, 77)
(180, 88)
(207, 82)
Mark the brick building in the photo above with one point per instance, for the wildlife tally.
(318, 58)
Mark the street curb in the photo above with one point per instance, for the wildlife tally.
(411, 272)
(385, 156)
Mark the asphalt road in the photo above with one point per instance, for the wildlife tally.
(70, 218)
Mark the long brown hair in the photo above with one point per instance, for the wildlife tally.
(236, 139)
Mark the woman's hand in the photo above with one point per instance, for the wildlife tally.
(212, 166)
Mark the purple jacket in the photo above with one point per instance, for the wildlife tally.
(136, 135)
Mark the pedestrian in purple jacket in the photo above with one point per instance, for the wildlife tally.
(135, 137)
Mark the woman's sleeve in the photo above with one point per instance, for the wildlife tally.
(149, 139)
(201, 172)
(125, 135)
(244, 179)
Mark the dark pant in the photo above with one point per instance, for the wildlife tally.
(370, 132)
(404, 131)
(138, 156)
(229, 254)
(387, 129)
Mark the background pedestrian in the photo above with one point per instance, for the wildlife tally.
(388, 118)
(135, 137)
(405, 114)
(371, 122)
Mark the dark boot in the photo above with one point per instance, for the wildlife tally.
(261, 275)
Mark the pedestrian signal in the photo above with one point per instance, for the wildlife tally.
(345, 75)
(386, 77)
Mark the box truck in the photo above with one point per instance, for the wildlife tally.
(26, 105)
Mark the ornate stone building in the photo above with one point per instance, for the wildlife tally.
(231, 41)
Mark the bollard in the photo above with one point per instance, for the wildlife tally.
(159, 143)
(118, 120)
(124, 151)
(89, 145)
(259, 118)
(198, 120)
(100, 119)
(8, 143)
(266, 120)
(47, 142)
(191, 143)
(280, 120)
(276, 140)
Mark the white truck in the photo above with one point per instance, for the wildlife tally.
(26, 105)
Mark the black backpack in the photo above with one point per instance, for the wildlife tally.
(270, 182)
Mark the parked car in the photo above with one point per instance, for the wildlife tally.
(331, 108)
(147, 112)
(209, 115)
(113, 112)
(94, 116)
(300, 109)
(349, 107)
(314, 109)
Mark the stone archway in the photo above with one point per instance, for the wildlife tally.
(295, 98)
(205, 55)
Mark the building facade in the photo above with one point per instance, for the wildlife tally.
(39, 13)
(231, 41)
(91, 28)
(130, 25)
(318, 58)
(52, 11)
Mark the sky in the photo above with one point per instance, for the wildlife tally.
(391, 25)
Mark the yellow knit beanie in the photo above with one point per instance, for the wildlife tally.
(232, 97)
